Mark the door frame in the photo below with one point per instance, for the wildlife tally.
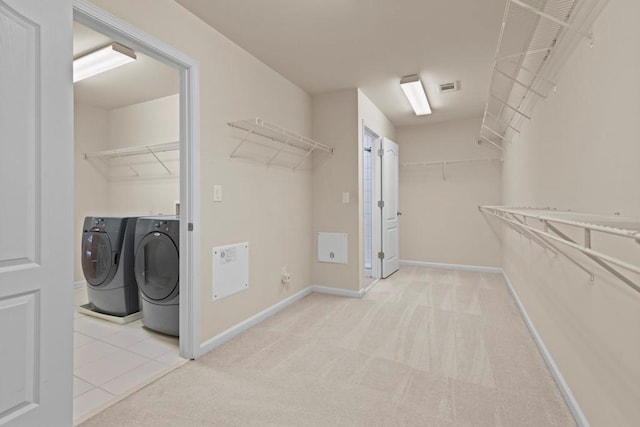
(97, 19)
(376, 243)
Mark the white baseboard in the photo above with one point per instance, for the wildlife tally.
(337, 291)
(79, 284)
(371, 286)
(480, 268)
(574, 407)
(225, 336)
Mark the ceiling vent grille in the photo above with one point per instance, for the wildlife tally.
(448, 87)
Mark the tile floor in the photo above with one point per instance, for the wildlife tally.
(110, 360)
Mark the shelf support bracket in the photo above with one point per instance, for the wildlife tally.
(158, 159)
(499, 135)
(490, 142)
(286, 142)
(531, 236)
(304, 158)
(519, 83)
(499, 120)
(510, 107)
(246, 136)
(552, 19)
(526, 53)
(530, 71)
(595, 258)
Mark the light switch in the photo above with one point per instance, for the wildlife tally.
(345, 197)
(217, 193)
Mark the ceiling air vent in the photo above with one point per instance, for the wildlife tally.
(448, 87)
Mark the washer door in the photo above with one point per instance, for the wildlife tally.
(96, 258)
(157, 266)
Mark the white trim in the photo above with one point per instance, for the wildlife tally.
(80, 284)
(376, 237)
(233, 331)
(574, 407)
(92, 16)
(371, 286)
(479, 268)
(337, 291)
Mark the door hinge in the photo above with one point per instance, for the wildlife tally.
(380, 152)
(381, 255)
(190, 226)
(381, 204)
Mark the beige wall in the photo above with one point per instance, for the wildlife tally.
(153, 122)
(91, 188)
(441, 222)
(268, 207)
(335, 123)
(580, 151)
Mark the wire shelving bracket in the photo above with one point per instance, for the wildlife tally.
(136, 160)
(535, 39)
(550, 235)
(279, 142)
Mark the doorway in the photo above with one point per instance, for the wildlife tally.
(380, 203)
(370, 197)
(179, 157)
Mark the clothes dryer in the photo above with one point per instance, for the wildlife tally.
(157, 272)
(107, 263)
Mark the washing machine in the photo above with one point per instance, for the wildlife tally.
(157, 272)
(107, 264)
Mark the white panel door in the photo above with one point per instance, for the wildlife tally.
(36, 216)
(390, 223)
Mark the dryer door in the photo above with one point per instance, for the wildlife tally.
(96, 257)
(157, 266)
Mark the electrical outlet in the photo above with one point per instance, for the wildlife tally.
(285, 276)
(345, 197)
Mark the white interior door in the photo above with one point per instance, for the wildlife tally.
(389, 210)
(36, 153)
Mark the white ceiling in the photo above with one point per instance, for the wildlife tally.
(326, 45)
(126, 85)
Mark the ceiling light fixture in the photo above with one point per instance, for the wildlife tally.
(101, 60)
(414, 91)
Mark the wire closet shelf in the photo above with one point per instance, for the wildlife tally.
(547, 237)
(283, 147)
(444, 163)
(145, 161)
(536, 37)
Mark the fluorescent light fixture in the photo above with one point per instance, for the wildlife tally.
(101, 60)
(414, 91)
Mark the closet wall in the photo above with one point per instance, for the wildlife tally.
(148, 123)
(335, 122)
(441, 222)
(580, 151)
(338, 119)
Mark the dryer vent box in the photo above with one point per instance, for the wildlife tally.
(332, 247)
(230, 270)
(448, 87)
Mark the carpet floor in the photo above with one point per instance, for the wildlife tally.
(425, 347)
